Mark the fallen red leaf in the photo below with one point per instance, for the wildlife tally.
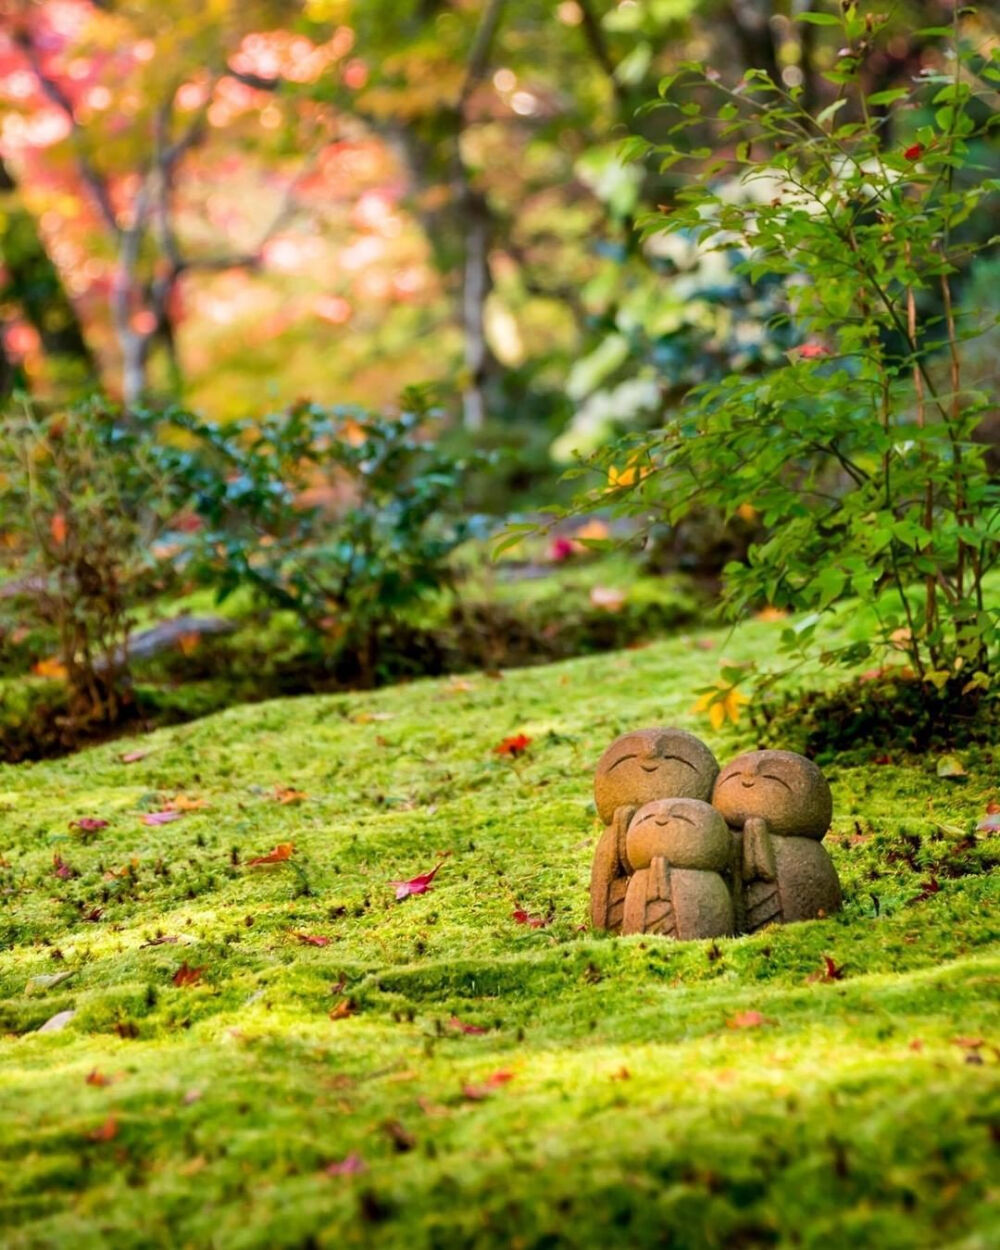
(927, 888)
(342, 1010)
(832, 971)
(98, 1078)
(347, 1166)
(312, 939)
(61, 869)
(513, 746)
(186, 975)
(280, 853)
(88, 824)
(746, 1020)
(476, 1093)
(415, 885)
(520, 916)
(460, 1027)
(107, 1131)
(165, 817)
(288, 796)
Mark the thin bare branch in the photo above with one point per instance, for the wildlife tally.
(594, 34)
(479, 54)
(95, 182)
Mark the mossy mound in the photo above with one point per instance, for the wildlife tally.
(281, 1055)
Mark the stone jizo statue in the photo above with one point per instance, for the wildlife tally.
(639, 768)
(671, 863)
(680, 851)
(779, 805)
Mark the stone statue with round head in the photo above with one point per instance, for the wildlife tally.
(779, 804)
(681, 851)
(639, 768)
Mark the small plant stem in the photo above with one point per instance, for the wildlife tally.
(930, 582)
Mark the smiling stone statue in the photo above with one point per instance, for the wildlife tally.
(638, 768)
(779, 804)
(678, 849)
(671, 863)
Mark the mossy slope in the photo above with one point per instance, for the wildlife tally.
(624, 1092)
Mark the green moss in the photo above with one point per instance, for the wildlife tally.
(635, 1114)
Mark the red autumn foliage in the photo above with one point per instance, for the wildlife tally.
(831, 972)
(927, 888)
(347, 1166)
(513, 746)
(107, 1131)
(415, 885)
(746, 1020)
(165, 817)
(460, 1027)
(476, 1093)
(914, 152)
(520, 916)
(562, 549)
(58, 529)
(88, 824)
(281, 852)
(312, 939)
(61, 869)
(186, 975)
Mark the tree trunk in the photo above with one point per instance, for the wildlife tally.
(475, 288)
(135, 361)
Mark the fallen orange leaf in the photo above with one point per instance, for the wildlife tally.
(181, 803)
(281, 852)
(289, 797)
(107, 1131)
(746, 1020)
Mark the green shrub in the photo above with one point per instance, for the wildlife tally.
(85, 497)
(855, 453)
(345, 517)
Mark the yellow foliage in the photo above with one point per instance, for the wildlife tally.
(721, 702)
(632, 473)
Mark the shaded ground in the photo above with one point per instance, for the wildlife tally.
(623, 1092)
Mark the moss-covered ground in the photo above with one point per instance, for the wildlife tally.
(433, 1072)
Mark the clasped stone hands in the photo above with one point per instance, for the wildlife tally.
(692, 852)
